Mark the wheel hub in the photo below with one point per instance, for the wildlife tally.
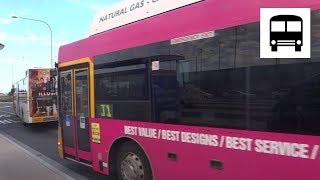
(132, 168)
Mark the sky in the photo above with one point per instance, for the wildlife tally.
(27, 43)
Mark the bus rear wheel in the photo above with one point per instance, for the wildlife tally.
(132, 163)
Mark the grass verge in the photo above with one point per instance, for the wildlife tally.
(5, 99)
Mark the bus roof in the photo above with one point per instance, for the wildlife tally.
(286, 18)
(37, 68)
(173, 24)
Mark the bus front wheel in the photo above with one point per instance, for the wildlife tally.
(297, 48)
(132, 163)
(274, 48)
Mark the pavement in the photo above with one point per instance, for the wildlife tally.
(17, 163)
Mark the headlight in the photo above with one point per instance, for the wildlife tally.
(298, 42)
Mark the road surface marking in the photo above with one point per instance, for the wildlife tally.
(8, 121)
(8, 112)
(5, 107)
(5, 122)
(4, 115)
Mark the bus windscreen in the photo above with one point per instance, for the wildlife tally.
(294, 26)
(278, 26)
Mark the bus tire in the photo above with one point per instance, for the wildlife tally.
(132, 163)
(274, 48)
(297, 48)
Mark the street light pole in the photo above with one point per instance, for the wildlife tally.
(51, 62)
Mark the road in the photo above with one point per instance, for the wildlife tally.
(41, 140)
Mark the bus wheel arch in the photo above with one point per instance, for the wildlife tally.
(121, 149)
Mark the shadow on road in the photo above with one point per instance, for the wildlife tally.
(41, 127)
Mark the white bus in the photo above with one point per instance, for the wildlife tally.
(35, 96)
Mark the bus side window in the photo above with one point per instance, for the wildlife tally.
(122, 92)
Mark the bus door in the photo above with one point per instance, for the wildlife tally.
(74, 116)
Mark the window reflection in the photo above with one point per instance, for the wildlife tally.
(222, 82)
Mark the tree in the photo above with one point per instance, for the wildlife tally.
(11, 92)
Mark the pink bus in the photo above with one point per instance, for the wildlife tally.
(177, 90)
